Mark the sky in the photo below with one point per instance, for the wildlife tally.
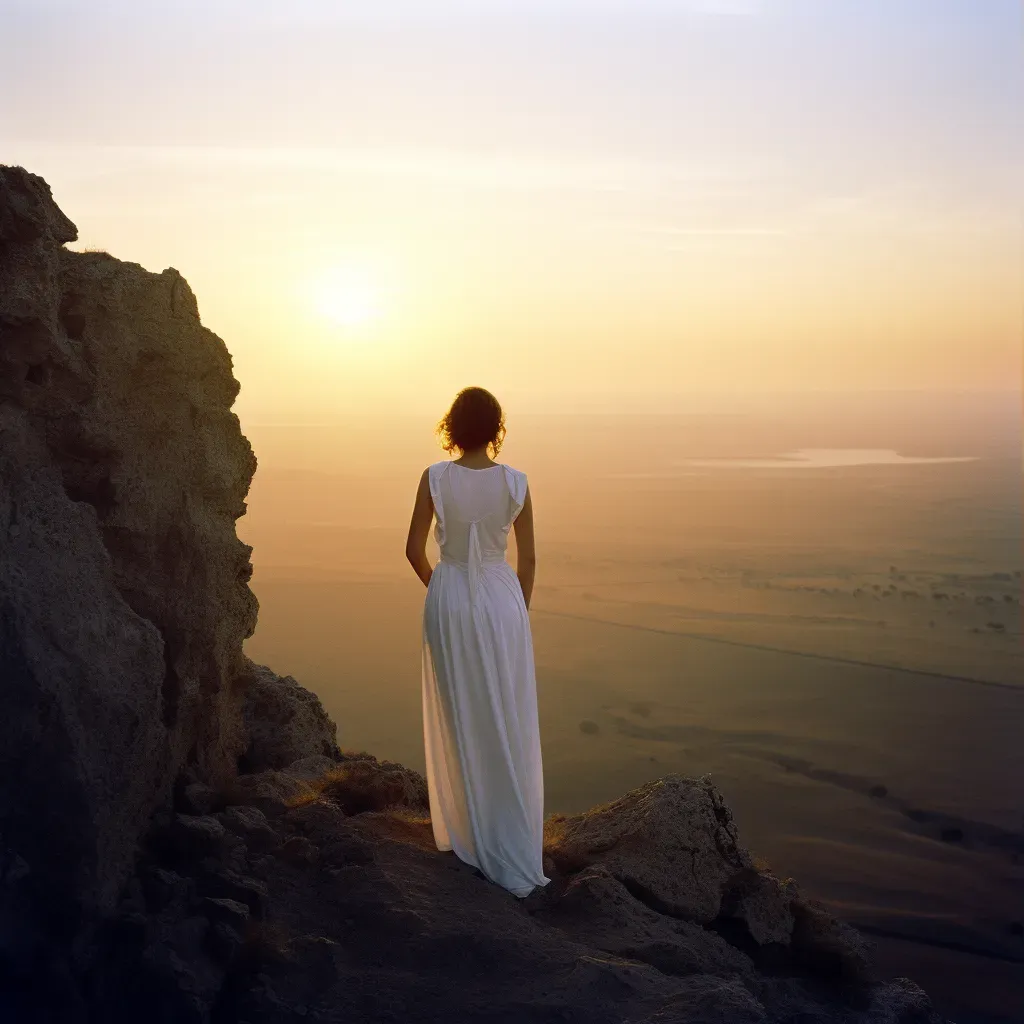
(579, 204)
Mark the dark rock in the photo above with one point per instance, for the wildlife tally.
(707, 1000)
(284, 722)
(251, 824)
(223, 883)
(162, 888)
(828, 947)
(319, 819)
(271, 792)
(27, 211)
(188, 982)
(193, 837)
(763, 904)
(672, 843)
(199, 799)
(300, 851)
(599, 910)
(225, 943)
(312, 769)
(122, 605)
(230, 911)
(902, 1002)
(352, 850)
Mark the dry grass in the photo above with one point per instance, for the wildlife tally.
(568, 858)
(358, 786)
(361, 783)
(404, 825)
(409, 815)
(305, 799)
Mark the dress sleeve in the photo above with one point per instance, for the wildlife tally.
(516, 480)
(433, 475)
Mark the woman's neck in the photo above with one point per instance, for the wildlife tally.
(475, 459)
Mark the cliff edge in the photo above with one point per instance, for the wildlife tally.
(181, 840)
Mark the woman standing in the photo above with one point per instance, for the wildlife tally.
(480, 726)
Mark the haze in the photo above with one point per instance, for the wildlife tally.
(598, 205)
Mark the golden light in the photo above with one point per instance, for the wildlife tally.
(348, 296)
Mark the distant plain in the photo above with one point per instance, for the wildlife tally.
(838, 646)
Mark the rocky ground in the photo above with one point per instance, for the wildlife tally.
(181, 840)
(314, 892)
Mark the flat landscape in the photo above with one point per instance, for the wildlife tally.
(838, 646)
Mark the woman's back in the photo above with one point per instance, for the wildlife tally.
(475, 505)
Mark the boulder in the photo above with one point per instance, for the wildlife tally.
(764, 905)
(284, 722)
(672, 843)
(709, 1000)
(901, 1001)
(599, 910)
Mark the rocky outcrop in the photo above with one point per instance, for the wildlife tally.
(181, 840)
(307, 911)
(678, 873)
(123, 586)
(284, 722)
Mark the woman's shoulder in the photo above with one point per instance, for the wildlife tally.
(434, 470)
(433, 473)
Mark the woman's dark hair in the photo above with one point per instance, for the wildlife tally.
(475, 419)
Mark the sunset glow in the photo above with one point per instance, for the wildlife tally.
(348, 297)
(747, 196)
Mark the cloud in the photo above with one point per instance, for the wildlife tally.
(514, 171)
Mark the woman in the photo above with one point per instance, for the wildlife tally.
(480, 727)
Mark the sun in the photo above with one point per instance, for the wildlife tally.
(348, 296)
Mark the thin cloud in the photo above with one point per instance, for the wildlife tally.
(673, 231)
(512, 171)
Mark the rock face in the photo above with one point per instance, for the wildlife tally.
(180, 837)
(123, 587)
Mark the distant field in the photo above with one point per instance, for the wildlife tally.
(839, 647)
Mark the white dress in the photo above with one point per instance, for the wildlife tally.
(480, 726)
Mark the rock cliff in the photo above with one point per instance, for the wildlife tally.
(181, 839)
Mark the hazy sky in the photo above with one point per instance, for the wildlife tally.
(378, 202)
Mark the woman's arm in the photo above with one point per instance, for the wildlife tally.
(419, 530)
(526, 555)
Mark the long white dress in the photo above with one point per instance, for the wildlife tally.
(480, 725)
